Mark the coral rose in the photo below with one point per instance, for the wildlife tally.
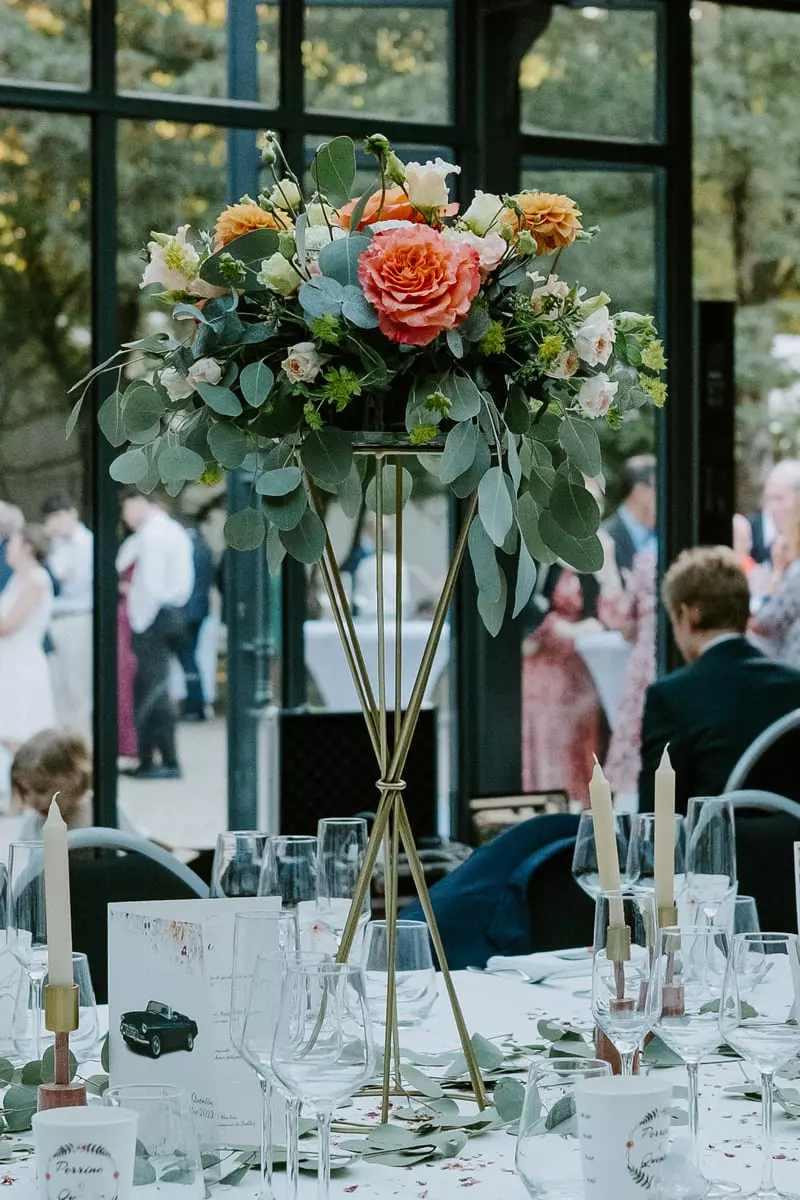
(420, 282)
(396, 207)
(244, 218)
(553, 221)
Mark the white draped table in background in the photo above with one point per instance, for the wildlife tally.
(495, 1006)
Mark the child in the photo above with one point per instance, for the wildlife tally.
(55, 760)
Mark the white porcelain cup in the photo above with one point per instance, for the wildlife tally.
(85, 1153)
(624, 1129)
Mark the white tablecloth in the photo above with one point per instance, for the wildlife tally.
(730, 1129)
(326, 662)
(606, 655)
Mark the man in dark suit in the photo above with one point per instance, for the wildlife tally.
(632, 528)
(711, 710)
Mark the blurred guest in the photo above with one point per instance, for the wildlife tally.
(365, 576)
(11, 521)
(560, 706)
(26, 602)
(194, 614)
(781, 496)
(160, 589)
(54, 760)
(632, 528)
(633, 612)
(71, 563)
(127, 745)
(743, 542)
(710, 711)
(777, 624)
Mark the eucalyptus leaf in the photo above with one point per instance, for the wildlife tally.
(545, 426)
(574, 509)
(189, 312)
(306, 541)
(97, 1084)
(488, 1054)
(321, 297)
(130, 467)
(19, 1105)
(450, 1144)
(228, 444)
(256, 382)
(493, 612)
(286, 511)
(494, 505)
(72, 419)
(327, 454)
(142, 410)
(528, 517)
(526, 580)
(541, 483)
(279, 482)
(349, 493)
(180, 1175)
(31, 1074)
(220, 399)
(509, 1098)
(581, 444)
(460, 448)
(109, 418)
(357, 309)
(420, 1082)
(389, 491)
(517, 411)
(464, 396)
(178, 464)
(561, 1112)
(391, 1137)
(6, 1071)
(514, 465)
(584, 555)
(339, 260)
(334, 170)
(466, 484)
(475, 325)
(483, 556)
(276, 551)
(251, 249)
(143, 1172)
(245, 529)
(658, 1054)
(455, 343)
(104, 1054)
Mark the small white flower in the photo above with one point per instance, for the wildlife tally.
(177, 386)
(483, 213)
(425, 183)
(595, 339)
(316, 213)
(490, 248)
(205, 370)
(175, 265)
(596, 395)
(278, 274)
(564, 366)
(318, 236)
(382, 226)
(286, 195)
(556, 288)
(302, 363)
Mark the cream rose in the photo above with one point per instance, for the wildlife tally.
(286, 195)
(318, 236)
(278, 274)
(302, 363)
(597, 395)
(205, 370)
(490, 248)
(565, 366)
(177, 385)
(425, 183)
(175, 265)
(484, 213)
(541, 303)
(595, 339)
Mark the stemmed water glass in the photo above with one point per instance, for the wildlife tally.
(27, 923)
(237, 863)
(341, 848)
(323, 1050)
(289, 870)
(624, 933)
(254, 934)
(584, 858)
(711, 876)
(760, 1018)
(640, 868)
(683, 1005)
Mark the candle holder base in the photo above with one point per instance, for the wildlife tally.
(61, 1095)
(607, 1052)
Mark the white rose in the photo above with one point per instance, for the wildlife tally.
(490, 249)
(175, 265)
(595, 339)
(205, 370)
(596, 395)
(302, 363)
(565, 366)
(382, 226)
(318, 236)
(483, 213)
(286, 195)
(554, 287)
(316, 213)
(425, 184)
(278, 274)
(177, 386)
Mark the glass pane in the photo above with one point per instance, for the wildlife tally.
(45, 340)
(747, 183)
(45, 41)
(378, 60)
(190, 163)
(588, 649)
(593, 73)
(182, 47)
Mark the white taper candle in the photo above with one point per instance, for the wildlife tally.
(665, 832)
(605, 840)
(56, 886)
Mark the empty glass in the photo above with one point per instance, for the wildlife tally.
(711, 876)
(323, 1050)
(640, 867)
(584, 858)
(549, 1160)
(683, 1005)
(237, 864)
(31, 1037)
(415, 975)
(745, 915)
(341, 847)
(289, 870)
(624, 931)
(27, 926)
(760, 1018)
(167, 1164)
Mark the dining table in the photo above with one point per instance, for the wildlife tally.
(499, 1006)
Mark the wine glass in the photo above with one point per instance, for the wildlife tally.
(289, 870)
(711, 878)
(759, 1018)
(27, 924)
(683, 1005)
(341, 848)
(624, 933)
(254, 934)
(745, 915)
(323, 1050)
(584, 858)
(237, 864)
(640, 867)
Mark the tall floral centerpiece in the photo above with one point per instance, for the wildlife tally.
(329, 337)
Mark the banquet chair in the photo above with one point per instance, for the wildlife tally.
(483, 907)
(769, 762)
(125, 868)
(766, 826)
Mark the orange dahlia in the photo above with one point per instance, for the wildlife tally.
(244, 218)
(552, 220)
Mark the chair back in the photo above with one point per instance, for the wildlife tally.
(765, 855)
(768, 764)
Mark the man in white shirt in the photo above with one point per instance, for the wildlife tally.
(71, 564)
(163, 578)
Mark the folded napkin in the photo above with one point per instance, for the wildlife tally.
(561, 964)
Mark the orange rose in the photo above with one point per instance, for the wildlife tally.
(396, 207)
(553, 221)
(244, 218)
(419, 281)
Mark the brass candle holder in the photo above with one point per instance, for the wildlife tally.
(61, 1015)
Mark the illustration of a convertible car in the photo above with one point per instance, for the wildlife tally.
(158, 1029)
